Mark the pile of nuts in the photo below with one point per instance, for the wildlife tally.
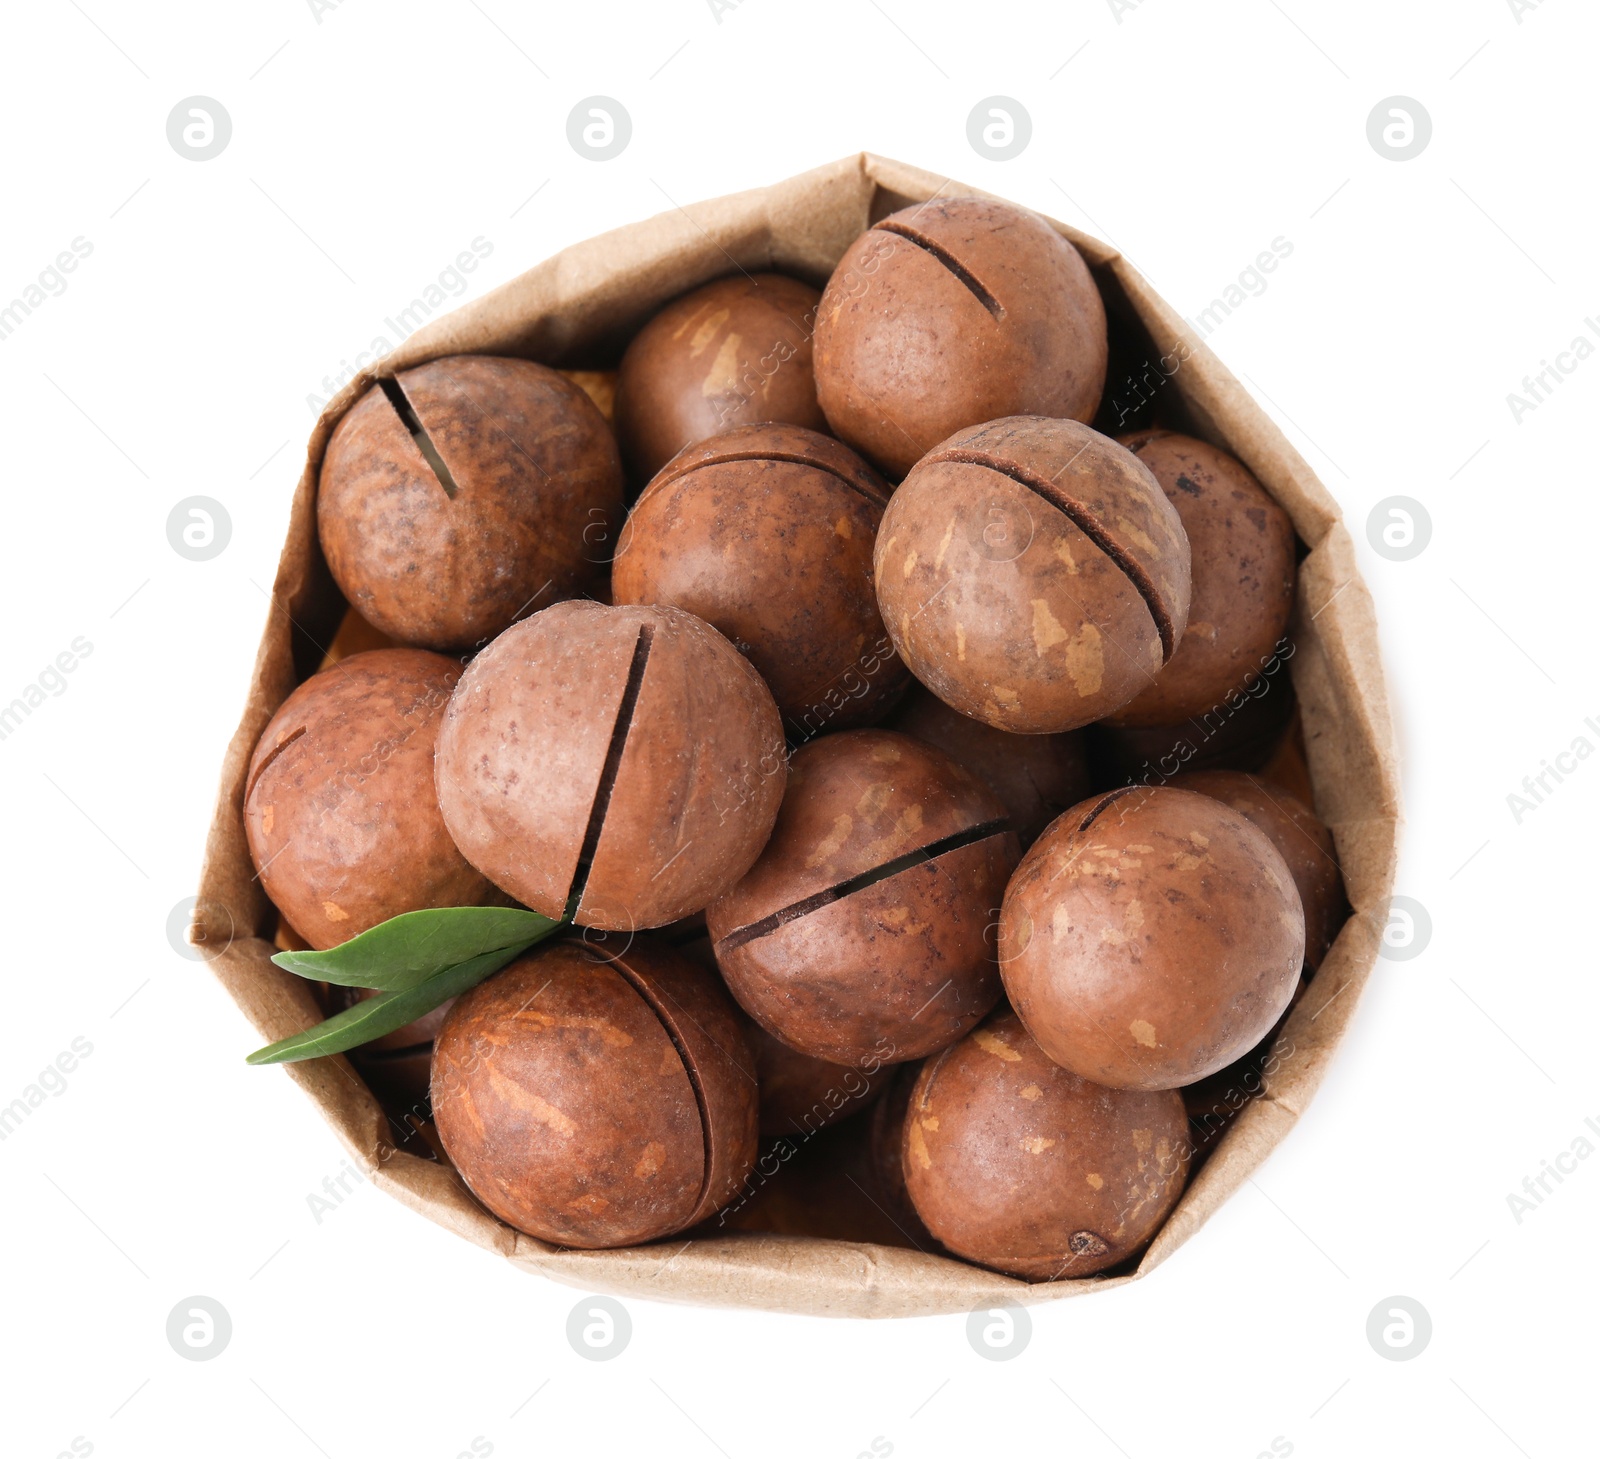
(827, 694)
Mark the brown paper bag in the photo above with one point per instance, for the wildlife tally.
(576, 311)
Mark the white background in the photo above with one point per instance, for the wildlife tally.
(372, 145)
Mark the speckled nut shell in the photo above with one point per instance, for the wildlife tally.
(766, 532)
(339, 806)
(595, 1102)
(801, 1095)
(732, 352)
(956, 311)
(1020, 1165)
(1241, 549)
(1036, 776)
(464, 493)
(1150, 937)
(1032, 574)
(1305, 844)
(834, 957)
(630, 755)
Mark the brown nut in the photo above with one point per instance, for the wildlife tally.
(1036, 776)
(860, 933)
(1025, 1167)
(1032, 574)
(1241, 549)
(1150, 937)
(1241, 733)
(766, 532)
(801, 1095)
(953, 312)
(626, 760)
(339, 806)
(1305, 844)
(461, 493)
(597, 1102)
(732, 352)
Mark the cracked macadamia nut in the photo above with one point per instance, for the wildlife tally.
(863, 931)
(594, 1101)
(1150, 937)
(1241, 552)
(1036, 776)
(340, 812)
(953, 312)
(1032, 574)
(627, 760)
(1023, 1166)
(459, 495)
(766, 533)
(1305, 844)
(728, 354)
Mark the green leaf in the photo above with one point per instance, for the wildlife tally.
(373, 1017)
(405, 951)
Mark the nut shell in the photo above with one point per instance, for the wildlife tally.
(766, 532)
(594, 1103)
(1036, 777)
(1150, 938)
(527, 744)
(953, 312)
(705, 1026)
(1032, 574)
(735, 351)
(339, 809)
(846, 968)
(1303, 841)
(1022, 1166)
(537, 499)
(1241, 545)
